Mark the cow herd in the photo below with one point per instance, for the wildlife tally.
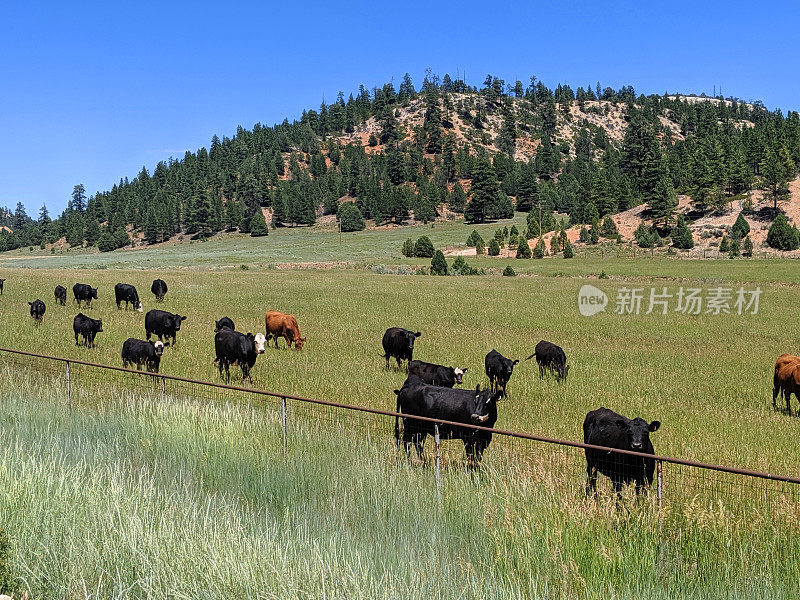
(429, 392)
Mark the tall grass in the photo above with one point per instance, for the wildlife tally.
(131, 497)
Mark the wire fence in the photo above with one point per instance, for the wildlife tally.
(666, 480)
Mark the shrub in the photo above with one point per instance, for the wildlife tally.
(724, 245)
(781, 235)
(509, 272)
(494, 247)
(258, 225)
(594, 237)
(733, 251)
(373, 141)
(479, 248)
(438, 263)
(500, 237)
(740, 228)
(748, 246)
(408, 248)
(462, 267)
(584, 235)
(423, 247)
(568, 250)
(646, 237)
(523, 250)
(555, 245)
(350, 217)
(513, 232)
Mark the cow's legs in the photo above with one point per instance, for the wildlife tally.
(387, 357)
(591, 478)
(288, 339)
(398, 362)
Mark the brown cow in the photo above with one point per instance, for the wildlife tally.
(284, 325)
(786, 379)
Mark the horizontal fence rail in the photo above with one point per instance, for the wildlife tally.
(705, 471)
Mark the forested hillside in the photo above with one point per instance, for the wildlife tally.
(402, 154)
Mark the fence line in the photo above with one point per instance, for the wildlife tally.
(619, 454)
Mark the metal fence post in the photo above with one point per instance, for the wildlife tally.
(163, 389)
(283, 424)
(69, 389)
(438, 461)
(660, 476)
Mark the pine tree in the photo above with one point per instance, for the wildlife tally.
(538, 249)
(458, 198)
(568, 252)
(748, 246)
(408, 248)
(350, 217)
(509, 272)
(258, 225)
(740, 228)
(682, 239)
(523, 250)
(484, 192)
(526, 188)
(494, 247)
(78, 202)
(724, 245)
(423, 247)
(780, 235)
(438, 264)
(733, 250)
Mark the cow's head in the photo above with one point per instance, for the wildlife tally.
(484, 400)
(638, 431)
(178, 320)
(138, 305)
(298, 343)
(564, 371)
(223, 322)
(410, 339)
(458, 374)
(260, 342)
(508, 367)
(93, 293)
(158, 347)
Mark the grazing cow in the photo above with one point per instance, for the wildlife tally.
(786, 380)
(159, 289)
(61, 295)
(399, 343)
(604, 427)
(284, 325)
(434, 374)
(83, 292)
(142, 353)
(37, 310)
(474, 407)
(224, 322)
(127, 293)
(235, 348)
(2, 281)
(499, 370)
(87, 328)
(163, 324)
(552, 357)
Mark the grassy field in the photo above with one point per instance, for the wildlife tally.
(707, 378)
(131, 497)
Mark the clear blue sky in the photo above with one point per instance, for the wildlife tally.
(93, 91)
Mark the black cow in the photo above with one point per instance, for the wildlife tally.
(550, 356)
(236, 348)
(37, 310)
(83, 292)
(163, 324)
(141, 352)
(224, 322)
(61, 295)
(127, 293)
(2, 281)
(474, 407)
(159, 289)
(604, 427)
(434, 374)
(399, 343)
(87, 328)
(499, 370)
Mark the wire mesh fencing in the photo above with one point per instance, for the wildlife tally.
(573, 469)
